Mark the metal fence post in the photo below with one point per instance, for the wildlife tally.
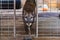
(36, 20)
(14, 18)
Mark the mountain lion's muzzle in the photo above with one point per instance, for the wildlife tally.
(29, 18)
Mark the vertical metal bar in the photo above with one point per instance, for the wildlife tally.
(14, 18)
(1, 20)
(57, 20)
(36, 19)
(8, 26)
(8, 21)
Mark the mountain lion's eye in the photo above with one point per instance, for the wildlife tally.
(31, 19)
(26, 19)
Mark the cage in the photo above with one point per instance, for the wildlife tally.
(12, 26)
(48, 21)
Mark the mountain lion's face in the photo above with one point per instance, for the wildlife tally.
(29, 18)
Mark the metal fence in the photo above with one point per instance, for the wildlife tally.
(11, 23)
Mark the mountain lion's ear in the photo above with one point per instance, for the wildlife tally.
(25, 13)
(31, 15)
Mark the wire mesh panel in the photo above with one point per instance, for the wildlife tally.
(7, 25)
(12, 26)
(48, 21)
(7, 18)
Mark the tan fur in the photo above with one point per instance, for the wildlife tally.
(29, 7)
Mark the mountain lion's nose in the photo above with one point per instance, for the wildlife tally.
(28, 24)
